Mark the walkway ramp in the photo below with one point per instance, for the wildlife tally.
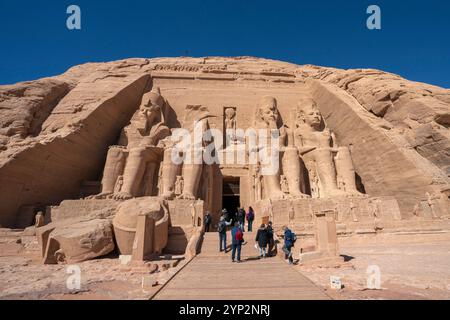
(213, 276)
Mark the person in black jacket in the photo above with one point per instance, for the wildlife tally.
(250, 216)
(207, 221)
(241, 218)
(261, 239)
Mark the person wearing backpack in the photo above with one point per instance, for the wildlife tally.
(250, 217)
(225, 214)
(261, 239)
(289, 240)
(222, 230)
(237, 238)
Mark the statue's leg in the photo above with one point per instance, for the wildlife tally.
(115, 162)
(345, 168)
(326, 172)
(272, 187)
(292, 171)
(192, 173)
(270, 171)
(134, 172)
(170, 171)
(149, 178)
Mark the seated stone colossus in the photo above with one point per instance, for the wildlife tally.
(146, 146)
(311, 146)
(268, 119)
(138, 152)
(323, 158)
(139, 177)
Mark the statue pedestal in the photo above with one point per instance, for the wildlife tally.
(351, 213)
(186, 219)
(327, 249)
(185, 212)
(326, 236)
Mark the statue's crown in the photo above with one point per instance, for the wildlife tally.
(154, 96)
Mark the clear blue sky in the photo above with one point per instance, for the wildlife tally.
(414, 41)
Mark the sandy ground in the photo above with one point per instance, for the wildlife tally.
(22, 276)
(410, 268)
(415, 268)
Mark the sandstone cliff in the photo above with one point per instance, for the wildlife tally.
(55, 132)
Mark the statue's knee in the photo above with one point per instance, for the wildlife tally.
(116, 151)
(137, 153)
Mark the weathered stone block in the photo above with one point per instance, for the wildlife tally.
(82, 241)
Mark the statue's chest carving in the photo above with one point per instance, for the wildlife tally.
(320, 139)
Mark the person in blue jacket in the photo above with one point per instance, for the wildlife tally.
(289, 240)
(237, 238)
(222, 230)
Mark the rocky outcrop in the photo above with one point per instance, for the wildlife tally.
(26, 106)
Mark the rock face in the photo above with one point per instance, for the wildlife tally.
(69, 145)
(352, 136)
(26, 106)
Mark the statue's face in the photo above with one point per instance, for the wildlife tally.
(230, 113)
(150, 108)
(269, 111)
(312, 116)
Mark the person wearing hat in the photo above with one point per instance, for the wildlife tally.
(225, 214)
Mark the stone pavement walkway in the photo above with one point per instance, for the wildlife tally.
(213, 276)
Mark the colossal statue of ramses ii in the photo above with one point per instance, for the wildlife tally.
(309, 142)
(137, 154)
(320, 153)
(268, 118)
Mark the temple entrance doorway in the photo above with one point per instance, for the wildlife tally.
(231, 194)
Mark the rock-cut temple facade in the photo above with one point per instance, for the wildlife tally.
(108, 156)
